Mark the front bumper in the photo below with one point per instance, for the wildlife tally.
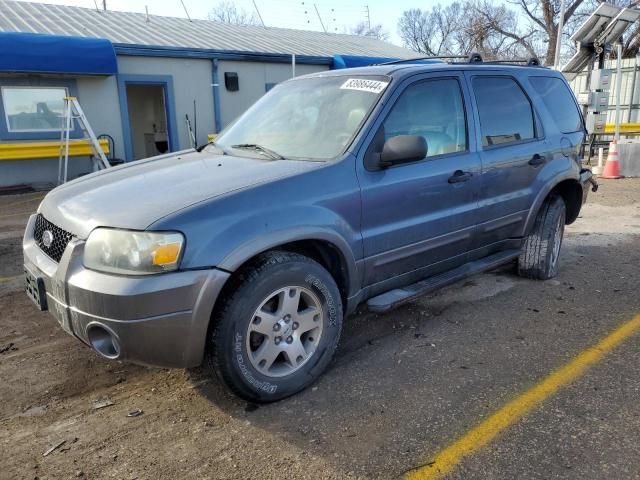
(158, 320)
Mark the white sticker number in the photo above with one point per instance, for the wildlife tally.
(373, 86)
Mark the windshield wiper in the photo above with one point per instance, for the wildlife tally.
(259, 148)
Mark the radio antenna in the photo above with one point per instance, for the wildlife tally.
(185, 10)
(320, 18)
(258, 12)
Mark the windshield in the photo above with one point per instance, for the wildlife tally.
(311, 118)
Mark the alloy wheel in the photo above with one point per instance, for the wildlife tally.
(285, 331)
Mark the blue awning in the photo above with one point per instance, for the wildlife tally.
(38, 53)
(351, 61)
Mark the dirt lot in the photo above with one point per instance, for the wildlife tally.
(403, 386)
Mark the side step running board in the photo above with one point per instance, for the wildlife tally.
(393, 298)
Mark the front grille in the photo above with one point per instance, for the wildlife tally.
(60, 238)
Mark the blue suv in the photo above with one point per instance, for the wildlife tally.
(371, 185)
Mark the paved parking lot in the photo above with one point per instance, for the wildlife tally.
(401, 397)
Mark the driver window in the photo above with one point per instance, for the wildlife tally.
(434, 110)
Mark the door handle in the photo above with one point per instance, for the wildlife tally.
(460, 176)
(537, 160)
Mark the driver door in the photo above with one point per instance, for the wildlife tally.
(418, 218)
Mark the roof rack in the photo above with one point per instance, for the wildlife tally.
(472, 58)
(530, 62)
(435, 57)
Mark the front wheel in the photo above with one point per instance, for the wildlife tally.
(541, 251)
(277, 331)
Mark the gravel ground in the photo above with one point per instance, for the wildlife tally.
(404, 384)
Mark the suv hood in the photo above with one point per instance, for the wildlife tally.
(137, 194)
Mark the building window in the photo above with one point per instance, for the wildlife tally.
(33, 109)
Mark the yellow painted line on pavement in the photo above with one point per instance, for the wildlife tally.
(446, 460)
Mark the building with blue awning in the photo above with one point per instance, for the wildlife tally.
(148, 84)
(42, 53)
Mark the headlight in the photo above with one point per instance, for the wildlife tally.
(132, 253)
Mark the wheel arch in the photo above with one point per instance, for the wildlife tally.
(570, 190)
(571, 193)
(327, 248)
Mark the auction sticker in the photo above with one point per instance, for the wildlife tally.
(364, 85)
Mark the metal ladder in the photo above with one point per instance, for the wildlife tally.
(73, 111)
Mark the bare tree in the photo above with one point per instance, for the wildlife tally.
(226, 12)
(375, 31)
(494, 32)
(464, 28)
(525, 28)
(543, 16)
(431, 31)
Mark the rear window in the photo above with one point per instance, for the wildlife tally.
(505, 112)
(559, 102)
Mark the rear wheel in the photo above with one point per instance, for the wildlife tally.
(277, 331)
(541, 251)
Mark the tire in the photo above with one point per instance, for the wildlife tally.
(284, 304)
(540, 255)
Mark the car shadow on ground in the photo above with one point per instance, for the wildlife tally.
(406, 382)
(381, 380)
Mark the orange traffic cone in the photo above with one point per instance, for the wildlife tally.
(612, 168)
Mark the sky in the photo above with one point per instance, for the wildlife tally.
(337, 15)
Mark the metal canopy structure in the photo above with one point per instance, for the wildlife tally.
(603, 27)
(170, 35)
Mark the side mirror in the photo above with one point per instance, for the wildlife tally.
(402, 149)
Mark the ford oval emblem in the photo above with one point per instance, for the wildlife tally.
(47, 238)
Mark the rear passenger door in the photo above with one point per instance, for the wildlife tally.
(513, 151)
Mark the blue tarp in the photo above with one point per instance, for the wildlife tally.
(38, 53)
(351, 61)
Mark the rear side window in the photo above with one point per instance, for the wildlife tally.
(559, 101)
(505, 111)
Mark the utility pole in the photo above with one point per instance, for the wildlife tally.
(556, 61)
(104, 5)
(618, 88)
(367, 13)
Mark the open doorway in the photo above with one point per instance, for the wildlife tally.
(147, 120)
